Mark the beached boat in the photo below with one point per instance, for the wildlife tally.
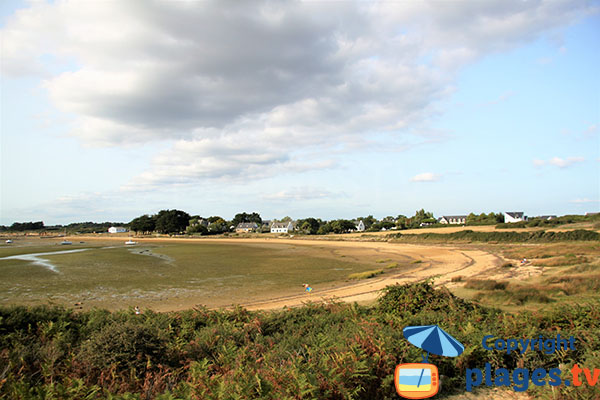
(66, 242)
(8, 241)
(130, 242)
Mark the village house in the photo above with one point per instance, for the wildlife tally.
(546, 217)
(511, 217)
(116, 229)
(282, 227)
(453, 219)
(360, 227)
(246, 227)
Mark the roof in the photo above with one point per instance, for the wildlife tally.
(247, 225)
(280, 224)
(454, 216)
(514, 214)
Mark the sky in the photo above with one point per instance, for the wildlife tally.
(328, 109)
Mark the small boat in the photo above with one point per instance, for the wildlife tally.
(130, 242)
(8, 241)
(66, 242)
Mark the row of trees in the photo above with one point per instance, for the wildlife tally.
(177, 222)
(77, 227)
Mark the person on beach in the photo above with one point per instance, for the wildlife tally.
(307, 288)
(137, 310)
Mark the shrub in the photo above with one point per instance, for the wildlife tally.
(366, 274)
(124, 346)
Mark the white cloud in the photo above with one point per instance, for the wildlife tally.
(241, 90)
(425, 177)
(302, 193)
(563, 163)
(585, 200)
(559, 162)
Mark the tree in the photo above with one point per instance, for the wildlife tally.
(401, 222)
(218, 225)
(342, 226)
(324, 229)
(26, 226)
(196, 227)
(368, 221)
(245, 217)
(144, 224)
(419, 217)
(309, 226)
(172, 221)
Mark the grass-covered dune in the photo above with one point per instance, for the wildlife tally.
(503, 237)
(329, 351)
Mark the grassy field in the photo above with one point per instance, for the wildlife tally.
(554, 273)
(111, 275)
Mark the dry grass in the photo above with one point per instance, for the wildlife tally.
(485, 284)
(366, 274)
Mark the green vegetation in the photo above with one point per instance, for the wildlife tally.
(366, 274)
(565, 219)
(564, 272)
(485, 284)
(507, 237)
(156, 274)
(333, 351)
(485, 219)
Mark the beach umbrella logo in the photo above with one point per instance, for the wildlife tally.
(421, 380)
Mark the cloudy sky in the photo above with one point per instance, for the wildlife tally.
(333, 109)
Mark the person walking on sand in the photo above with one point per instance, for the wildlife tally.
(307, 288)
(137, 310)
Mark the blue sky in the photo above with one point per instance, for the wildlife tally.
(332, 110)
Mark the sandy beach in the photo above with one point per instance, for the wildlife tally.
(438, 262)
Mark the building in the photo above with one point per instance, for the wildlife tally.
(360, 227)
(116, 229)
(282, 227)
(453, 219)
(510, 217)
(546, 217)
(246, 227)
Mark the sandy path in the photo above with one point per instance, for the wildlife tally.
(441, 262)
(444, 265)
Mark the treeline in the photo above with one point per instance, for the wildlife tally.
(179, 222)
(23, 226)
(76, 227)
(537, 221)
(512, 237)
(325, 351)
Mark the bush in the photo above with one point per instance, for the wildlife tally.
(124, 346)
(366, 274)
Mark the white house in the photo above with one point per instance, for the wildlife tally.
(360, 227)
(453, 219)
(282, 227)
(116, 229)
(510, 217)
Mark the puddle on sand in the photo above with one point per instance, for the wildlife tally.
(36, 258)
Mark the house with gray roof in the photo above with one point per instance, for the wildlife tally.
(453, 219)
(246, 227)
(282, 227)
(514, 216)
